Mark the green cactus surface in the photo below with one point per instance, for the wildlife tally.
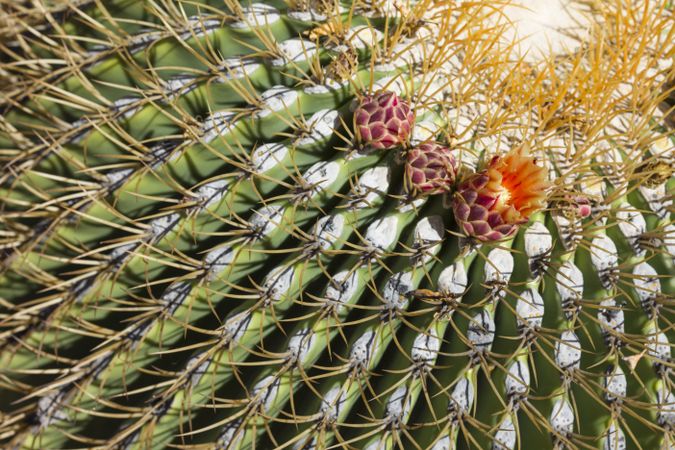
(328, 224)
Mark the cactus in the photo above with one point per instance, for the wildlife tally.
(334, 224)
(430, 169)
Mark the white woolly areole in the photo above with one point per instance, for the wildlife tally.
(647, 283)
(624, 121)
(496, 143)
(143, 38)
(657, 199)
(364, 37)
(124, 249)
(461, 399)
(300, 343)
(321, 125)
(610, 158)
(569, 282)
(423, 131)
(396, 290)
(538, 240)
(568, 230)
(278, 282)
(236, 326)
(562, 417)
(197, 368)
(462, 127)
(327, 87)
(662, 147)
(603, 253)
(615, 384)
(382, 233)
(398, 404)
(657, 343)
(384, 67)
(631, 222)
(568, 351)
(415, 204)
(669, 238)
(505, 438)
(212, 191)
(308, 443)
(237, 68)
(217, 260)
(409, 52)
(163, 153)
(429, 229)
(216, 124)
(611, 317)
(200, 26)
(294, 51)
(425, 347)
(266, 391)
(267, 156)
(375, 445)
(266, 219)
(517, 381)
(230, 435)
(530, 309)
(257, 15)
(594, 187)
(164, 224)
(498, 266)
(427, 236)
(179, 85)
(481, 331)
(363, 348)
(342, 287)
(371, 185)
(127, 105)
(615, 439)
(50, 408)
(115, 176)
(321, 175)
(453, 279)
(443, 443)
(276, 99)
(436, 90)
(307, 16)
(666, 402)
(561, 153)
(332, 402)
(328, 229)
(380, 8)
(395, 84)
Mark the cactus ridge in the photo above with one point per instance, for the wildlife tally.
(304, 224)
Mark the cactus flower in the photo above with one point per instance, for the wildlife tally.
(383, 120)
(430, 169)
(491, 204)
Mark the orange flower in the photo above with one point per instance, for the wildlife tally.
(489, 205)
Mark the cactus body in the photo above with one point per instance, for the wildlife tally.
(333, 224)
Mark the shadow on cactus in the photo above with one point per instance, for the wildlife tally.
(319, 224)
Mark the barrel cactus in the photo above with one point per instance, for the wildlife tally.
(313, 224)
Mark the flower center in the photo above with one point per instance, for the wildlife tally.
(523, 183)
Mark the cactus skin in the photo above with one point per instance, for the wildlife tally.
(203, 245)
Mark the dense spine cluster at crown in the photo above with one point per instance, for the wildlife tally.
(312, 224)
